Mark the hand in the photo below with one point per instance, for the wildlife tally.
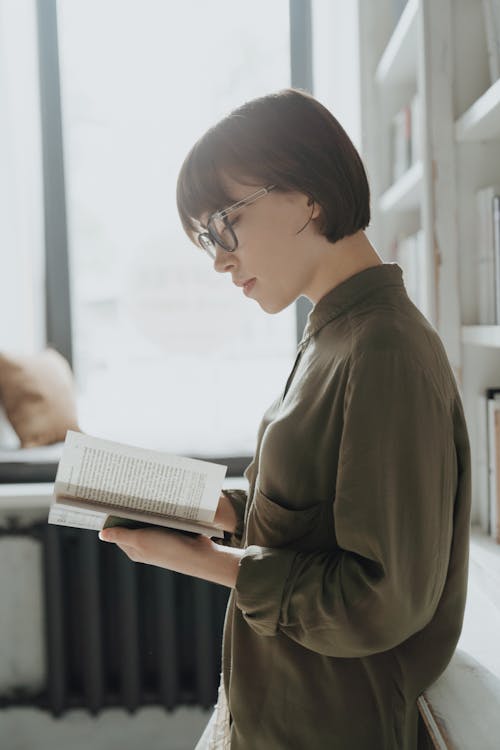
(163, 547)
(196, 556)
(225, 514)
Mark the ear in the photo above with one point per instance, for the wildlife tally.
(317, 208)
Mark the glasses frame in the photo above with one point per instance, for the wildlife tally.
(209, 239)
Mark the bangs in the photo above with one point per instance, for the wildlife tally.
(199, 188)
(200, 185)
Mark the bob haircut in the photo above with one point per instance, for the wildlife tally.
(287, 139)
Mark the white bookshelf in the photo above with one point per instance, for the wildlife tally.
(481, 121)
(397, 63)
(400, 59)
(477, 158)
(406, 193)
(439, 51)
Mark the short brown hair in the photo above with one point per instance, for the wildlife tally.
(287, 139)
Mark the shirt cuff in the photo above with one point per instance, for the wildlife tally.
(260, 585)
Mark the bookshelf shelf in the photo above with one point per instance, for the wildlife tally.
(481, 336)
(482, 120)
(405, 194)
(398, 62)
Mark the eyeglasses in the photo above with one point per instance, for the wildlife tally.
(220, 231)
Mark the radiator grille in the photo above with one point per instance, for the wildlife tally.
(120, 633)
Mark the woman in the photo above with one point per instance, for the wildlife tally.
(347, 559)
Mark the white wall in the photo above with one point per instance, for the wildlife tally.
(21, 218)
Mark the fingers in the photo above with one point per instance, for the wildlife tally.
(118, 536)
(124, 540)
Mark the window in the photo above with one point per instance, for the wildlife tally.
(167, 352)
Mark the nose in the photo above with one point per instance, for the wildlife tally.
(223, 261)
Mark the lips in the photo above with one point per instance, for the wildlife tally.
(248, 286)
(243, 283)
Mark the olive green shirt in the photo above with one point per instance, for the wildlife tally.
(350, 596)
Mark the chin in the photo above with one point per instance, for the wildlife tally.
(274, 307)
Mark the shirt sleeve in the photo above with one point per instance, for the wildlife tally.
(238, 499)
(393, 516)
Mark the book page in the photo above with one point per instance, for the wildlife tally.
(495, 505)
(76, 515)
(120, 475)
(64, 515)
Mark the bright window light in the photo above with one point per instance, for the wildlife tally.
(168, 353)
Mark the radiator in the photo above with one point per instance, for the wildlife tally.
(119, 633)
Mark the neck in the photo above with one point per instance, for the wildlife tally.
(337, 261)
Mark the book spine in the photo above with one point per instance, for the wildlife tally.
(485, 258)
(482, 474)
(495, 506)
(491, 464)
(495, 210)
(416, 133)
(401, 142)
(407, 136)
(493, 405)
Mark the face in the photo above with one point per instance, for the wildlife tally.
(270, 252)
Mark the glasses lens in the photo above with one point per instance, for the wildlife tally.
(207, 243)
(222, 231)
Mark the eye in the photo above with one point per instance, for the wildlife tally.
(234, 217)
(230, 221)
(225, 227)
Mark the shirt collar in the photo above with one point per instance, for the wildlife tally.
(349, 292)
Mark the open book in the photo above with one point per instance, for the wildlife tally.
(100, 483)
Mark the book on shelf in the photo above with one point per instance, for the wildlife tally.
(412, 257)
(488, 255)
(482, 458)
(406, 135)
(488, 457)
(416, 130)
(100, 483)
(491, 17)
(496, 250)
(401, 142)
